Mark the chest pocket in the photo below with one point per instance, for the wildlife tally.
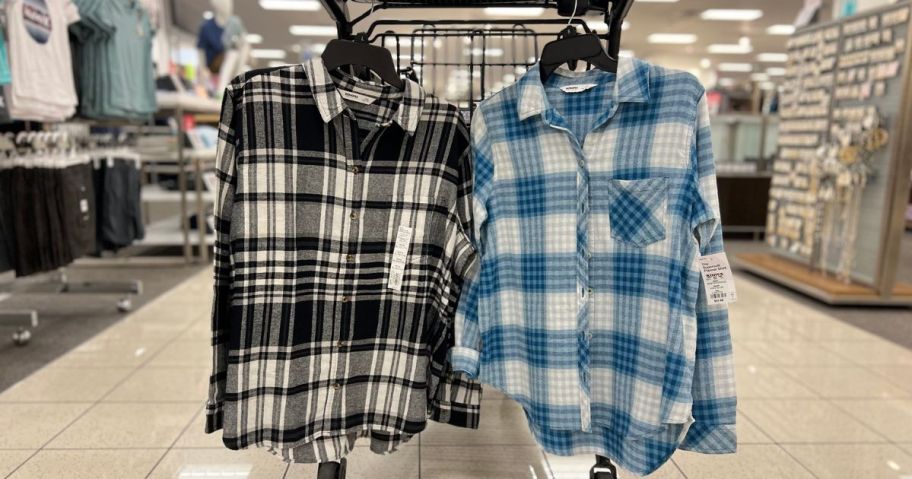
(637, 210)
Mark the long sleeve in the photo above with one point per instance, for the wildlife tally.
(227, 180)
(465, 355)
(713, 430)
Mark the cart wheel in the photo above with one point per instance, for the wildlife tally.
(22, 337)
(125, 305)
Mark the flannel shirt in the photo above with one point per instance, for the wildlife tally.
(592, 206)
(312, 347)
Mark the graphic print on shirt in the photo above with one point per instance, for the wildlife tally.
(37, 20)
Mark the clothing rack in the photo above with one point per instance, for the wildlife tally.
(436, 51)
(513, 37)
(65, 137)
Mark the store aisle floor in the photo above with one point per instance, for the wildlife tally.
(817, 398)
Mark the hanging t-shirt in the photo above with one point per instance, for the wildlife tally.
(41, 65)
(210, 41)
(5, 77)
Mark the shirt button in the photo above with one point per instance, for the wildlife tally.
(349, 258)
(340, 344)
(353, 215)
(336, 386)
(582, 163)
(589, 291)
(355, 170)
(344, 299)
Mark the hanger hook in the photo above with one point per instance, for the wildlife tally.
(371, 12)
(572, 14)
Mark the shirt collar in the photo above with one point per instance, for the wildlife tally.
(631, 86)
(330, 102)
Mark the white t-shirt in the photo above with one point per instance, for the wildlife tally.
(40, 61)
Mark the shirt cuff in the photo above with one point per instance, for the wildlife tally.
(711, 438)
(213, 418)
(464, 360)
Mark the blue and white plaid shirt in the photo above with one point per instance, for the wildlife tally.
(593, 200)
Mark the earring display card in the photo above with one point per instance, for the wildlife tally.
(837, 74)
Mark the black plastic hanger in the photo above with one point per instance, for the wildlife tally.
(572, 46)
(359, 53)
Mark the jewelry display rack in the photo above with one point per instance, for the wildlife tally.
(839, 75)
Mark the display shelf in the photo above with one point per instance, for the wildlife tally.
(157, 194)
(827, 289)
(167, 232)
(171, 101)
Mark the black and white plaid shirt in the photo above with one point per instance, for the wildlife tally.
(340, 255)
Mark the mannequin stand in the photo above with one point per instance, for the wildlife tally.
(603, 469)
(331, 470)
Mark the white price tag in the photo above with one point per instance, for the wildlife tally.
(83, 205)
(357, 97)
(718, 279)
(400, 255)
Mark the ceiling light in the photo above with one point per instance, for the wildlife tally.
(781, 29)
(735, 67)
(438, 43)
(313, 30)
(772, 57)
(705, 63)
(318, 48)
(514, 11)
(297, 5)
(672, 38)
(268, 53)
(731, 14)
(598, 25)
(759, 77)
(726, 82)
(626, 53)
(767, 85)
(730, 48)
(775, 71)
(254, 38)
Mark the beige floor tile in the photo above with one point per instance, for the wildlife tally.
(760, 461)
(402, 464)
(900, 376)
(60, 385)
(189, 463)
(502, 423)
(826, 328)
(845, 382)
(109, 353)
(750, 433)
(839, 461)
(797, 353)
(164, 384)
(127, 425)
(469, 462)
(30, 426)
(806, 420)
(199, 330)
(906, 446)
(10, 460)
(890, 417)
(762, 329)
(577, 467)
(194, 353)
(89, 464)
(195, 435)
(877, 352)
(768, 382)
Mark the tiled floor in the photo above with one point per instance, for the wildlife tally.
(817, 398)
